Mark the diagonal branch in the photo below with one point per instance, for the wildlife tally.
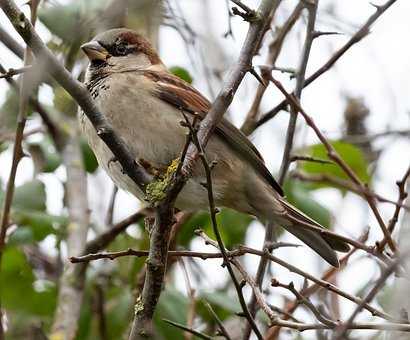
(156, 263)
(78, 91)
(358, 36)
(332, 154)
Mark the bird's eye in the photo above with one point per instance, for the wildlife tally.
(121, 49)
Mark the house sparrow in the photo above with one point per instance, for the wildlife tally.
(143, 102)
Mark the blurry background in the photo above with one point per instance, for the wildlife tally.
(362, 102)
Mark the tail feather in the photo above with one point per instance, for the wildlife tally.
(324, 244)
(316, 242)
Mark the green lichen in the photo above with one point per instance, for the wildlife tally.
(139, 306)
(156, 190)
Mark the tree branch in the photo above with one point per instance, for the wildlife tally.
(300, 80)
(156, 262)
(77, 91)
(332, 154)
(358, 36)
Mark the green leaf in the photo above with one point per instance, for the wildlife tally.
(118, 310)
(182, 73)
(198, 334)
(172, 305)
(351, 154)
(222, 300)
(44, 155)
(30, 196)
(74, 21)
(298, 194)
(8, 113)
(89, 159)
(232, 226)
(18, 291)
(35, 226)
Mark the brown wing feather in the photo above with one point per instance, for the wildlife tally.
(178, 93)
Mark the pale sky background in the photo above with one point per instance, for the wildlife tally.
(377, 69)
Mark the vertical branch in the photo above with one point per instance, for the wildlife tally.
(300, 81)
(159, 238)
(72, 280)
(17, 150)
(213, 211)
(260, 274)
(274, 51)
(270, 232)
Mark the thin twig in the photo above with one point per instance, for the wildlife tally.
(362, 139)
(402, 196)
(343, 184)
(260, 274)
(221, 326)
(273, 332)
(332, 154)
(358, 36)
(213, 211)
(15, 71)
(300, 80)
(274, 50)
(78, 92)
(320, 282)
(188, 329)
(144, 253)
(110, 211)
(342, 330)
(305, 301)
(309, 159)
(17, 151)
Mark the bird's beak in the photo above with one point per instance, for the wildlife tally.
(95, 51)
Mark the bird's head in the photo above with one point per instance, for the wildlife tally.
(121, 49)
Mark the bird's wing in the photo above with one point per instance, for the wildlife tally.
(180, 94)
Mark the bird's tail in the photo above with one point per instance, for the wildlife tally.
(313, 234)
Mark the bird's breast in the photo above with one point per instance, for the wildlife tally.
(149, 127)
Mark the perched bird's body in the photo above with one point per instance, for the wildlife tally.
(144, 104)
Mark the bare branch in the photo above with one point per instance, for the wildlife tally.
(71, 284)
(332, 154)
(77, 91)
(300, 80)
(342, 330)
(274, 50)
(343, 184)
(358, 36)
(156, 263)
(17, 151)
(13, 72)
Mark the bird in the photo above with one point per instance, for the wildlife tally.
(145, 104)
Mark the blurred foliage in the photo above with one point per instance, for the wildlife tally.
(29, 214)
(72, 22)
(44, 155)
(8, 112)
(64, 103)
(89, 160)
(298, 194)
(181, 73)
(351, 154)
(29, 296)
(232, 226)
